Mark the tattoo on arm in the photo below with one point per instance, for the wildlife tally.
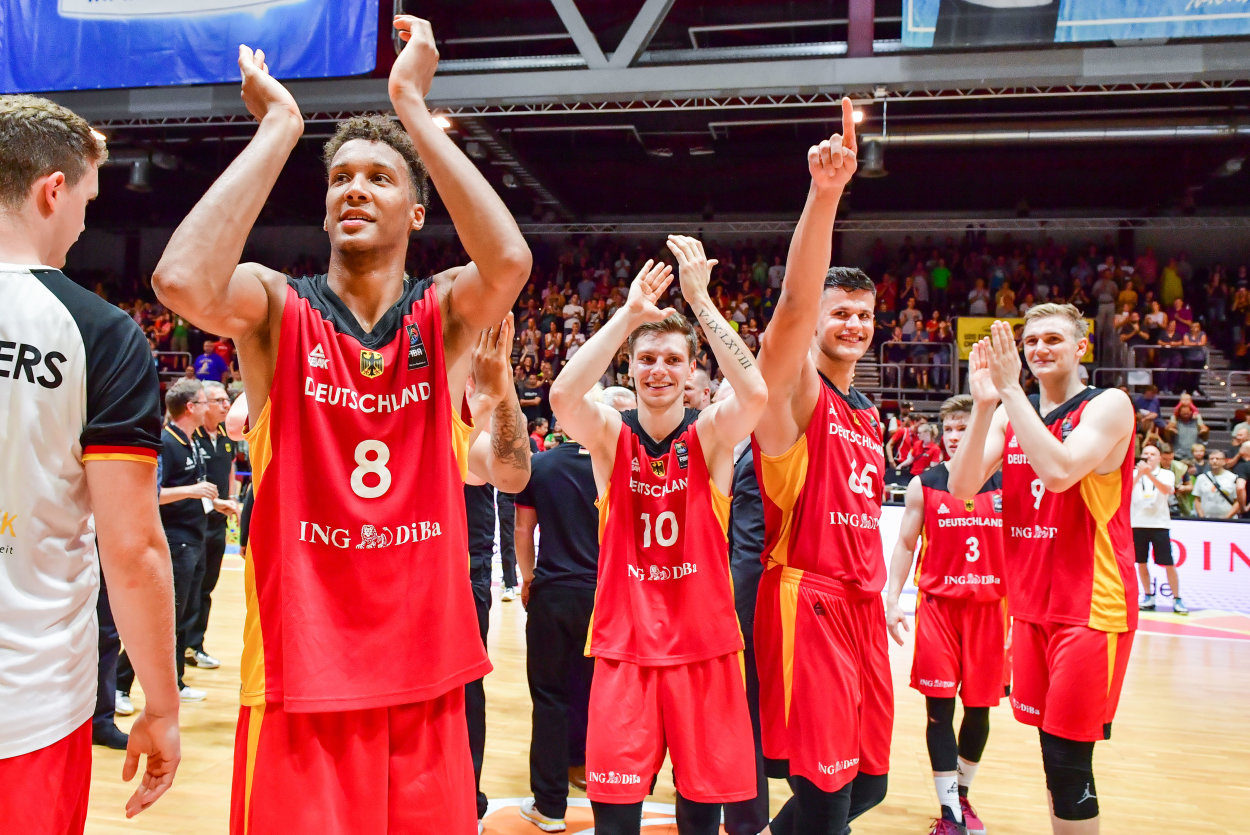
(509, 441)
(725, 334)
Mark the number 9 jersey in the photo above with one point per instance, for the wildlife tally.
(357, 577)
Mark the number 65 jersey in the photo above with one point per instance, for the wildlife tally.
(822, 497)
(357, 576)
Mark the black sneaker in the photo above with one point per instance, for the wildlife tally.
(110, 736)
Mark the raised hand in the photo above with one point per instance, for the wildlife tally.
(643, 303)
(154, 737)
(980, 383)
(263, 94)
(694, 268)
(832, 162)
(414, 67)
(1003, 356)
(492, 361)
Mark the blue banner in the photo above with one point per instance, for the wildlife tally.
(970, 23)
(85, 44)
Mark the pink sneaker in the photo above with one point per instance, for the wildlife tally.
(943, 826)
(974, 824)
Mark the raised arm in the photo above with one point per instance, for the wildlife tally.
(980, 452)
(901, 560)
(785, 344)
(594, 425)
(1098, 443)
(135, 559)
(486, 289)
(732, 419)
(199, 274)
(502, 455)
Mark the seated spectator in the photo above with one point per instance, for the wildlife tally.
(1148, 408)
(1185, 429)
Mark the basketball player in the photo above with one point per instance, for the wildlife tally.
(360, 630)
(79, 436)
(826, 703)
(960, 618)
(664, 635)
(1067, 459)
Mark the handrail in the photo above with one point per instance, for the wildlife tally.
(1125, 371)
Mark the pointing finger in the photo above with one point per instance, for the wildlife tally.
(848, 125)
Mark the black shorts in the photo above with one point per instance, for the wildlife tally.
(1157, 539)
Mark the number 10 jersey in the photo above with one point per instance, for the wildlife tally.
(357, 575)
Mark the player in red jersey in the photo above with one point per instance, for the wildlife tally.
(360, 630)
(826, 703)
(664, 633)
(1067, 459)
(960, 618)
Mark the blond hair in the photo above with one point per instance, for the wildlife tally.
(959, 404)
(39, 137)
(1080, 327)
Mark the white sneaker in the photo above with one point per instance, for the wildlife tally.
(531, 814)
(123, 707)
(201, 659)
(509, 593)
(1147, 603)
(190, 694)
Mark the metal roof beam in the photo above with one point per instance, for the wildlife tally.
(640, 33)
(583, 38)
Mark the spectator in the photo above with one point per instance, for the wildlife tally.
(1179, 470)
(1198, 455)
(1148, 408)
(979, 299)
(538, 434)
(209, 366)
(1194, 355)
(1216, 491)
(1185, 428)
(533, 399)
(1153, 484)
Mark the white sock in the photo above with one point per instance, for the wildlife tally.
(967, 770)
(948, 794)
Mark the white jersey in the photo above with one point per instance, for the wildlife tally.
(77, 383)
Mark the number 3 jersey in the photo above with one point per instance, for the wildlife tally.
(357, 575)
(664, 594)
(822, 497)
(961, 544)
(1071, 553)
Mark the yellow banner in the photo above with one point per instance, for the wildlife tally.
(970, 329)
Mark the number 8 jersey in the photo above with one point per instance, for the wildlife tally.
(664, 595)
(357, 577)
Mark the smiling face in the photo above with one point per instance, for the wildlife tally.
(370, 201)
(660, 365)
(844, 329)
(1051, 346)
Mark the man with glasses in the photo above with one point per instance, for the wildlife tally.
(185, 495)
(217, 450)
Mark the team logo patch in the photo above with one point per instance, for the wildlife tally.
(969, 504)
(657, 467)
(371, 364)
(683, 454)
(998, 502)
(417, 357)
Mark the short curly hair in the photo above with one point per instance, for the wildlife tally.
(378, 127)
(39, 137)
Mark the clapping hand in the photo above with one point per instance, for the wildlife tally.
(694, 268)
(261, 92)
(643, 303)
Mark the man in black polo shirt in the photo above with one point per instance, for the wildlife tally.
(217, 451)
(184, 490)
(559, 593)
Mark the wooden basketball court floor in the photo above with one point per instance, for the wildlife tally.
(1178, 760)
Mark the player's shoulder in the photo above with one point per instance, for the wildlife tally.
(108, 333)
(935, 478)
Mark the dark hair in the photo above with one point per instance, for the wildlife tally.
(850, 279)
(674, 323)
(179, 394)
(375, 127)
(39, 137)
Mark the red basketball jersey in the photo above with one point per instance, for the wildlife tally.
(822, 497)
(961, 544)
(1071, 553)
(358, 570)
(664, 594)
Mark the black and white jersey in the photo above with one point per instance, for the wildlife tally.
(77, 384)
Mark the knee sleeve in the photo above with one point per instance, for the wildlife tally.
(940, 734)
(617, 818)
(867, 790)
(973, 733)
(1069, 767)
(696, 818)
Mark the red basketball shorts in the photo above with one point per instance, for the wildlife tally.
(826, 700)
(1067, 679)
(403, 769)
(697, 710)
(960, 646)
(45, 792)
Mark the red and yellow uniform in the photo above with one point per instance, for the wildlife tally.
(961, 617)
(1070, 588)
(357, 583)
(668, 670)
(826, 700)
